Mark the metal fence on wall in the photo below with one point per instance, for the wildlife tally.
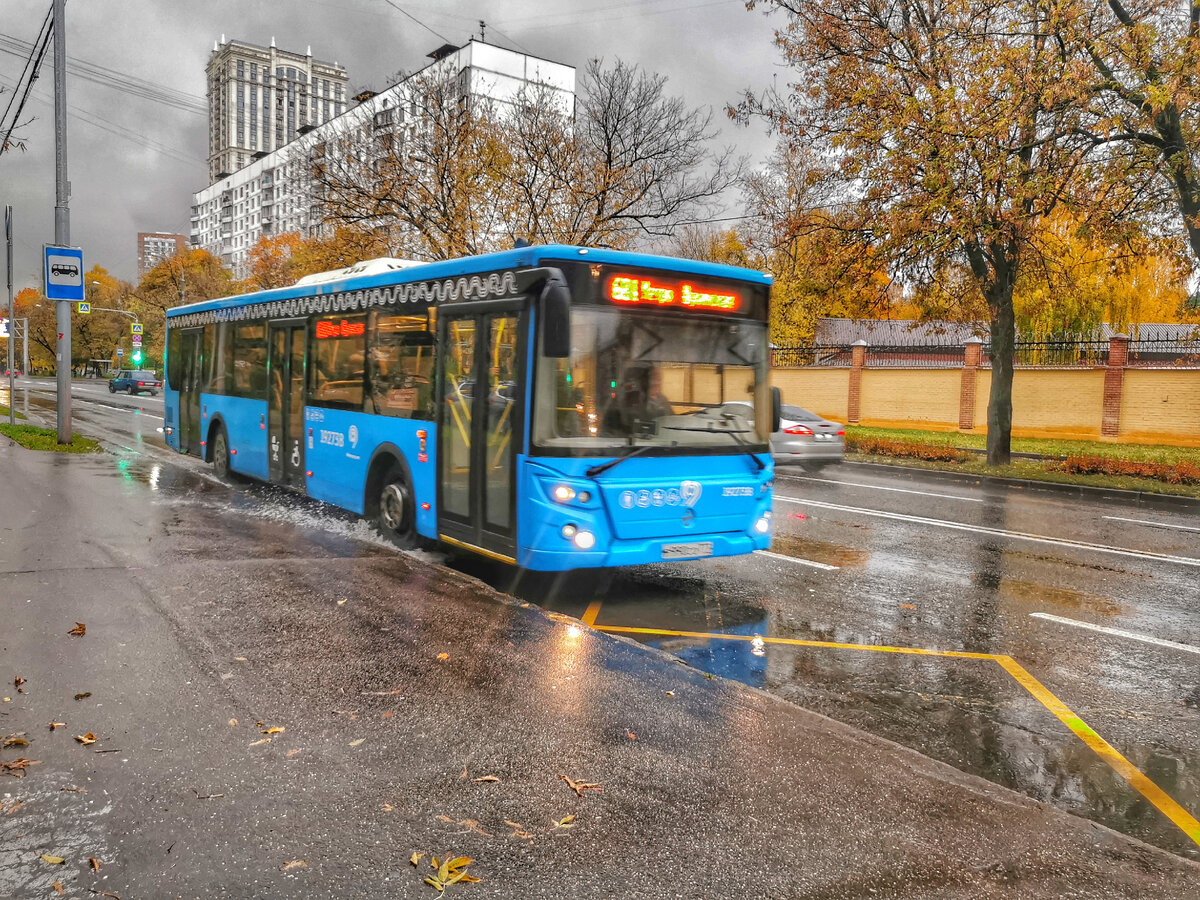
(1171, 346)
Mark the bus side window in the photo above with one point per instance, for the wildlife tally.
(336, 375)
(400, 367)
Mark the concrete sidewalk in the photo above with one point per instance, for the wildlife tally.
(400, 690)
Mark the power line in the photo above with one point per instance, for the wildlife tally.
(119, 81)
(418, 21)
(25, 68)
(32, 67)
(509, 39)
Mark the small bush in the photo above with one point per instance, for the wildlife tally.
(886, 447)
(1172, 473)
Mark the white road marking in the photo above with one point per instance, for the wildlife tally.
(998, 532)
(1117, 632)
(880, 487)
(798, 560)
(1154, 524)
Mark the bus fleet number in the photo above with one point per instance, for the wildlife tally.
(336, 438)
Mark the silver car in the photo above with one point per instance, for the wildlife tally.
(803, 438)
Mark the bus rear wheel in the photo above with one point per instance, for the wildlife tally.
(220, 455)
(394, 509)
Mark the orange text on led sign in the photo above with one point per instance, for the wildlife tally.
(629, 289)
(340, 329)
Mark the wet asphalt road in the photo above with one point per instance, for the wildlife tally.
(897, 581)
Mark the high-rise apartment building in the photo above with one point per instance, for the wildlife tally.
(260, 98)
(277, 192)
(155, 246)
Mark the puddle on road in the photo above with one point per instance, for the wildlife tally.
(1039, 595)
(819, 551)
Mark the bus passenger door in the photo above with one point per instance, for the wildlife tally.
(285, 404)
(480, 427)
(191, 383)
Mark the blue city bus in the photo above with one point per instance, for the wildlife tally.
(553, 407)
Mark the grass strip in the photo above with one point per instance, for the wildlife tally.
(1056, 447)
(35, 438)
(1034, 470)
(4, 412)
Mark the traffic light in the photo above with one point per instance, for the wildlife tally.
(137, 356)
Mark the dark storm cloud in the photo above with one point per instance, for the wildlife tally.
(134, 162)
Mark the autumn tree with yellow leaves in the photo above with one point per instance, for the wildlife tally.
(952, 129)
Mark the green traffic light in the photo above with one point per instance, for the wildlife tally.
(137, 355)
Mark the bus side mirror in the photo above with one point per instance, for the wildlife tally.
(776, 409)
(554, 307)
(556, 318)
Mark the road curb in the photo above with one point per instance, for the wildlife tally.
(1084, 491)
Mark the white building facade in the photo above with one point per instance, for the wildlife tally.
(274, 194)
(262, 98)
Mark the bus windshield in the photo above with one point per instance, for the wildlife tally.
(636, 378)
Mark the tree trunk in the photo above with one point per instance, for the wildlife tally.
(999, 435)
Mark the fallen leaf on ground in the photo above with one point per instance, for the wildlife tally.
(274, 729)
(580, 786)
(260, 742)
(907, 606)
(53, 860)
(443, 656)
(450, 872)
(387, 807)
(17, 767)
(15, 740)
(109, 894)
(416, 857)
(341, 603)
(293, 864)
(485, 778)
(464, 772)
(73, 790)
(631, 735)
(233, 723)
(670, 693)
(83, 696)
(8, 699)
(86, 739)
(518, 830)
(568, 822)
(94, 863)
(79, 630)
(241, 659)
(356, 743)
(12, 809)
(58, 888)
(387, 714)
(54, 725)
(293, 752)
(18, 681)
(200, 796)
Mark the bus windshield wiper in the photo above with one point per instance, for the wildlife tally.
(604, 467)
(732, 432)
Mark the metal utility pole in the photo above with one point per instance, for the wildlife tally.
(62, 216)
(12, 319)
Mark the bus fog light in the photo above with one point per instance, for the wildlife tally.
(584, 496)
(763, 525)
(568, 531)
(562, 493)
(584, 540)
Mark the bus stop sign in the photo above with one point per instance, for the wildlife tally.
(63, 273)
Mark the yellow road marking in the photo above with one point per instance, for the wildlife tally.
(1166, 805)
(593, 610)
(1162, 801)
(795, 642)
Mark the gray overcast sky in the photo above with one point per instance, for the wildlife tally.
(134, 163)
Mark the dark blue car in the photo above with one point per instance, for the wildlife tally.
(135, 381)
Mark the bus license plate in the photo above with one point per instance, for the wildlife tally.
(687, 551)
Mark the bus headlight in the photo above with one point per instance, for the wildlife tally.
(584, 540)
(563, 493)
(763, 525)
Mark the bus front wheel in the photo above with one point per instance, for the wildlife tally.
(394, 510)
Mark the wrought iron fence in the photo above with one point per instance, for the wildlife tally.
(830, 355)
(1175, 346)
(1055, 354)
(1172, 346)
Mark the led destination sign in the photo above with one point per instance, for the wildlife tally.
(340, 329)
(657, 292)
